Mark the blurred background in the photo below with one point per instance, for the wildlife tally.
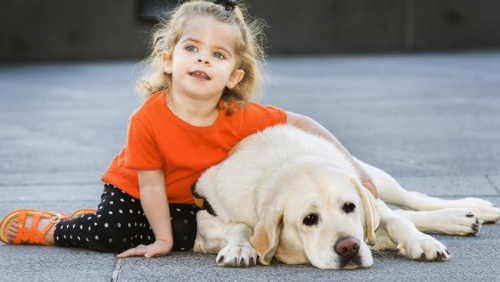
(82, 30)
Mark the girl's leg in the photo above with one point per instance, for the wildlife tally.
(120, 224)
(184, 226)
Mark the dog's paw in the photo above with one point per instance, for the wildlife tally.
(424, 248)
(484, 210)
(459, 222)
(237, 256)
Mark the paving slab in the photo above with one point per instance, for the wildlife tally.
(51, 178)
(61, 193)
(478, 186)
(495, 181)
(40, 263)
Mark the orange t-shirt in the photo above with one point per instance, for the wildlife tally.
(157, 139)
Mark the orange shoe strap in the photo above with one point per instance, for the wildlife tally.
(31, 235)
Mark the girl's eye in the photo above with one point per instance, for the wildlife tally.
(191, 48)
(219, 55)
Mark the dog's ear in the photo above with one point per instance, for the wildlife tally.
(371, 218)
(266, 235)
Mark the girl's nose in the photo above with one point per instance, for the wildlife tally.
(203, 61)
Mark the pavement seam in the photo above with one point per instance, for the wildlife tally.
(492, 183)
(116, 270)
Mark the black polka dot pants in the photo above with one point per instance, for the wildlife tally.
(120, 224)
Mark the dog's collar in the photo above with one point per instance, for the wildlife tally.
(201, 201)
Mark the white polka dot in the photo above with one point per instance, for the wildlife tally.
(138, 212)
(95, 223)
(182, 249)
(141, 236)
(119, 225)
(57, 238)
(135, 223)
(131, 211)
(129, 225)
(64, 236)
(78, 238)
(87, 239)
(62, 226)
(89, 228)
(82, 216)
(67, 226)
(110, 240)
(123, 192)
(192, 213)
(112, 193)
(111, 202)
(122, 200)
(71, 237)
(103, 201)
(96, 237)
(100, 207)
(178, 210)
(124, 239)
(89, 218)
(106, 225)
(133, 201)
(149, 237)
(186, 221)
(120, 211)
(74, 225)
(99, 215)
(110, 212)
(81, 226)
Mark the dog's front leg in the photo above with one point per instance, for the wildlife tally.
(402, 233)
(229, 240)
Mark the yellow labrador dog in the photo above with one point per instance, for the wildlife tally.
(288, 194)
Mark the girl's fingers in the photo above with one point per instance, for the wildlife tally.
(137, 251)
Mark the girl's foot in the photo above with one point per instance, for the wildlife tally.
(13, 229)
(31, 227)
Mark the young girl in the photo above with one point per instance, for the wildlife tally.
(204, 73)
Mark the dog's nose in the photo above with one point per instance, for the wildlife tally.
(347, 247)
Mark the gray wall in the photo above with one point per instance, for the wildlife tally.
(46, 30)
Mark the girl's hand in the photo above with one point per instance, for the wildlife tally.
(158, 248)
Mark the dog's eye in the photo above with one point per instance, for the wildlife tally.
(311, 219)
(348, 207)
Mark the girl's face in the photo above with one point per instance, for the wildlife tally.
(204, 59)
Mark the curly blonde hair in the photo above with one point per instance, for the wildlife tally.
(249, 53)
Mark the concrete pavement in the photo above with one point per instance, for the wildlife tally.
(430, 120)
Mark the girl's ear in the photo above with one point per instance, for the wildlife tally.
(167, 62)
(235, 78)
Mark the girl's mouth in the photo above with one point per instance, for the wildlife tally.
(200, 75)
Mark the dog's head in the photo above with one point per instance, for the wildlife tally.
(321, 217)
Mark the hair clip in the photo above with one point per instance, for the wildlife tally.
(229, 5)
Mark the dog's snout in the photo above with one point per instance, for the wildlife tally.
(347, 247)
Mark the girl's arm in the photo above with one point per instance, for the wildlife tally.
(310, 125)
(155, 205)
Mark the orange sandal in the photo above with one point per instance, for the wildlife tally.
(30, 236)
(82, 212)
